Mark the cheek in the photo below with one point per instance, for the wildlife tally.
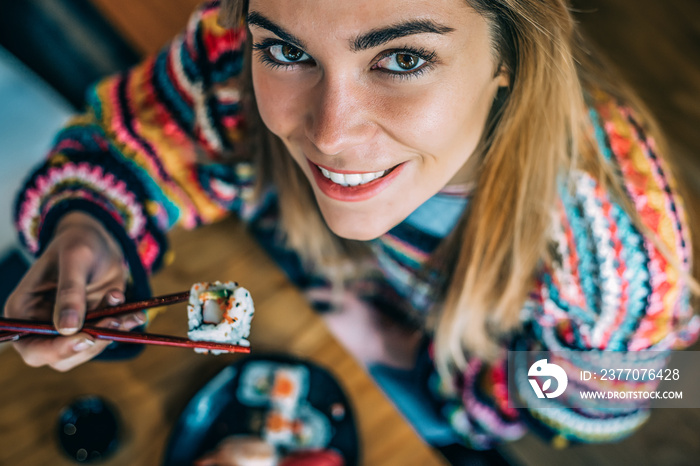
(465, 116)
(277, 101)
(440, 119)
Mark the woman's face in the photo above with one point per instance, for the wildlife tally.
(380, 103)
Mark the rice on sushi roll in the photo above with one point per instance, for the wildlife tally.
(220, 312)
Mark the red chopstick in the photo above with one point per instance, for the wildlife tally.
(27, 326)
(127, 308)
(114, 311)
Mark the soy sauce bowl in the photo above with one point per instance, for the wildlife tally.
(89, 429)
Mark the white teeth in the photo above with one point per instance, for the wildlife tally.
(352, 179)
(367, 177)
(338, 178)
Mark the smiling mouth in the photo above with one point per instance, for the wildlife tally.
(353, 179)
(347, 186)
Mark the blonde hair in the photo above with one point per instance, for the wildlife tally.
(537, 132)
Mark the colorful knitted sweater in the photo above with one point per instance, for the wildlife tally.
(146, 156)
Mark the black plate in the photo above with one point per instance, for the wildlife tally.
(215, 413)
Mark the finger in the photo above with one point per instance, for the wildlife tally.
(86, 347)
(127, 322)
(114, 297)
(106, 286)
(27, 301)
(65, 353)
(134, 320)
(73, 267)
(52, 351)
(83, 351)
(99, 299)
(24, 304)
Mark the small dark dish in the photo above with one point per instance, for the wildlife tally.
(89, 429)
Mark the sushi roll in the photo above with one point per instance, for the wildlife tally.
(280, 428)
(289, 386)
(306, 429)
(220, 312)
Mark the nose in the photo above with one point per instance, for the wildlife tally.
(339, 115)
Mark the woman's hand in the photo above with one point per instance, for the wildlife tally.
(239, 450)
(369, 336)
(82, 268)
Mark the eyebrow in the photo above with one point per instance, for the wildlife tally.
(377, 37)
(256, 19)
(371, 39)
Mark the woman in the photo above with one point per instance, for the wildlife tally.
(464, 169)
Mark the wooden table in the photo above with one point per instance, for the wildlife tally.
(151, 390)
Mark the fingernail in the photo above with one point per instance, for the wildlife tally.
(114, 324)
(68, 321)
(83, 344)
(115, 297)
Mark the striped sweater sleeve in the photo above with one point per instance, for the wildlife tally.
(146, 154)
(610, 288)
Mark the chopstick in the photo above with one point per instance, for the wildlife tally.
(127, 308)
(27, 327)
(113, 311)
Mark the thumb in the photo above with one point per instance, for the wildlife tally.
(69, 309)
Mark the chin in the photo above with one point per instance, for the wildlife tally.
(354, 227)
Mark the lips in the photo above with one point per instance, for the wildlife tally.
(343, 185)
